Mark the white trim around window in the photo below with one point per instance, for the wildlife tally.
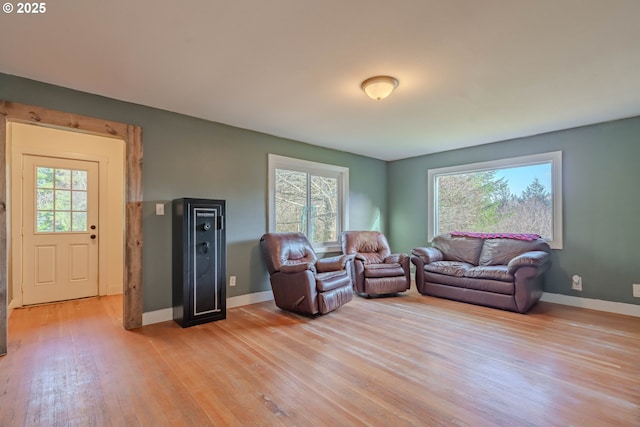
(317, 169)
(554, 158)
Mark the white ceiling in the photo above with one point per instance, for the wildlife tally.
(470, 71)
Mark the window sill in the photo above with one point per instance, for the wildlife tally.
(323, 249)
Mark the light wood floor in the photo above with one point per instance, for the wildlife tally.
(404, 361)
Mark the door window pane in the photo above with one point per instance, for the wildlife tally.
(61, 200)
(79, 180)
(44, 178)
(44, 221)
(63, 222)
(79, 221)
(79, 199)
(44, 200)
(63, 178)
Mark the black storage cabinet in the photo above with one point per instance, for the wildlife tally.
(199, 261)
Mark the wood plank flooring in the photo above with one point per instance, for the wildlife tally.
(404, 361)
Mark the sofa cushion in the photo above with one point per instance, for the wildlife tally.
(480, 285)
(448, 268)
(464, 249)
(501, 251)
(494, 272)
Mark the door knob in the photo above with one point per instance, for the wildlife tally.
(93, 236)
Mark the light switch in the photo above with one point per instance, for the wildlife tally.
(159, 208)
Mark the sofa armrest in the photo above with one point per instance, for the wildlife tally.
(535, 259)
(333, 263)
(298, 267)
(421, 256)
(528, 271)
(427, 254)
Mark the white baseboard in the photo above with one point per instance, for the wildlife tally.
(593, 304)
(157, 316)
(166, 314)
(247, 299)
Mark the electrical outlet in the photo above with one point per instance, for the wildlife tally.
(576, 283)
(159, 208)
(232, 281)
(636, 290)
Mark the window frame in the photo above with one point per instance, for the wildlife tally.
(341, 173)
(555, 158)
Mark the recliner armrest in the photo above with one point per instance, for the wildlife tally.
(428, 254)
(395, 258)
(333, 263)
(360, 257)
(528, 259)
(296, 268)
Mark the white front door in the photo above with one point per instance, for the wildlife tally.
(60, 229)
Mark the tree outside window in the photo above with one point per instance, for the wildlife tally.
(521, 195)
(309, 198)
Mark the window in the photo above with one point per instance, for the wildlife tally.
(310, 198)
(516, 195)
(61, 200)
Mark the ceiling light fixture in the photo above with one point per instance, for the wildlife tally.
(379, 87)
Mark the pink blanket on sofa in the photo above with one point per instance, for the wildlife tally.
(517, 236)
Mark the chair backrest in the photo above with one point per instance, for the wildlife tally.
(286, 248)
(372, 245)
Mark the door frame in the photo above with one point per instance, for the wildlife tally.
(46, 145)
(132, 137)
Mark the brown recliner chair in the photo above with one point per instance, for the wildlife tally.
(301, 282)
(375, 270)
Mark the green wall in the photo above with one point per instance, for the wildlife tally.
(189, 157)
(601, 181)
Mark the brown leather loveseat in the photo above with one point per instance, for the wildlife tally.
(503, 272)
